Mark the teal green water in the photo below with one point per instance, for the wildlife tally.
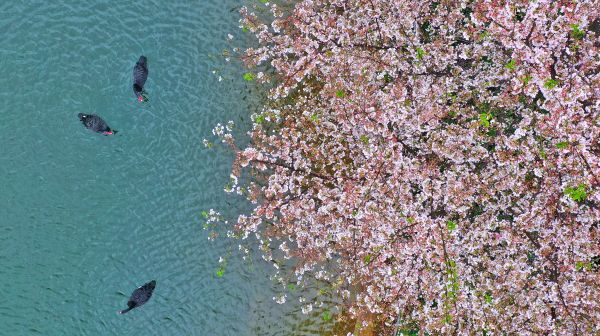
(84, 218)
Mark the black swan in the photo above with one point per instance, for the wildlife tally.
(139, 296)
(95, 123)
(140, 74)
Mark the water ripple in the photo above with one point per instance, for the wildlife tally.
(84, 219)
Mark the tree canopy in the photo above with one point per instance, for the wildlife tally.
(440, 158)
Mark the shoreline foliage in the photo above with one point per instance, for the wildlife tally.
(436, 161)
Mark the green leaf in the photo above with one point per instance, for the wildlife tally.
(484, 119)
(354, 213)
(408, 332)
(204, 214)
(551, 84)
(581, 265)
(420, 53)
(291, 287)
(578, 194)
(367, 258)
(451, 264)
(512, 65)
(562, 145)
(259, 119)
(387, 78)
(451, 225)
(529, 176)
(526, 79)
(576, 32)
(364, 139)
(314, 117)
(263, 1)
(220, 272)
(340, 93)
(326, 316)
(249, 76)
(488, 298)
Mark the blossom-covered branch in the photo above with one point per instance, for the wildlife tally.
(443, 155)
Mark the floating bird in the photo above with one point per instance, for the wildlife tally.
(95, 123)
(140, 296)
(140, 74)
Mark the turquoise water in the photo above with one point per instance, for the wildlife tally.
(84, 218)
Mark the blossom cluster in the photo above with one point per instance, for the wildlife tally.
(441, 158)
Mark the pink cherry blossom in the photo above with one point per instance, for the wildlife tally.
(439, 159)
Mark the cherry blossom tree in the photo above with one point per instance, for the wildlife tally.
(435, 161)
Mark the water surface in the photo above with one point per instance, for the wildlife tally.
(84, 219)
